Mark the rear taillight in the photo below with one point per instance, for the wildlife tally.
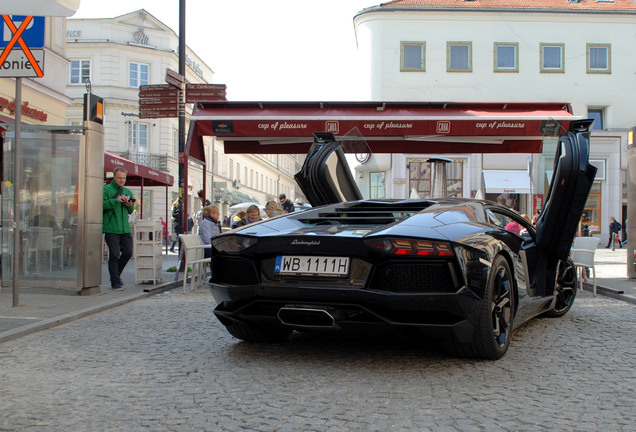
(233, 243)
(401, 246)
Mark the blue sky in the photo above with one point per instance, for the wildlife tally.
(265, 50)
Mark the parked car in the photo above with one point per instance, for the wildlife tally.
(446, 268)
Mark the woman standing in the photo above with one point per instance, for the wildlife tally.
(210, 226)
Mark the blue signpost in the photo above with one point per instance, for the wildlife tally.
(33, 35)
(21, 46)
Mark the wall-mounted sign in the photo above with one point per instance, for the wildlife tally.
(26, 109)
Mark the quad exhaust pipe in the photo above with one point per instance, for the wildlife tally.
(307, 317)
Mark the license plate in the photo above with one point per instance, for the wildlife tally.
(311, 265)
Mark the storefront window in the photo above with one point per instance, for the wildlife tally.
(377, 185)
(454, 179)
(420, 178)
(592, 214)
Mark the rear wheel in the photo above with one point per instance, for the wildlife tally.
(253, 333)
(564, 289)
(494, 330)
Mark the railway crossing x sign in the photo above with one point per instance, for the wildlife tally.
(28, 34)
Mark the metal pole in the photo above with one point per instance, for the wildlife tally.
(182, 157)
(166, 220)
(17, 181)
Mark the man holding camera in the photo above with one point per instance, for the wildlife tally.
(118, 205)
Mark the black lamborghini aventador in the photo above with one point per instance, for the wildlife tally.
(446, 268)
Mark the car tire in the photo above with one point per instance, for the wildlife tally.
(494, 329)
(565, 287)
(260, 334)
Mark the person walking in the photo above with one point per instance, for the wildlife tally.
(177, 216)
(286, 204)
(164, 230)
(118, 205)
(614, 229)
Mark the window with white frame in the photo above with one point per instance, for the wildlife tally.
(412, 56)
(598, 58)
(138, 137)
(506, 57)
(377, 187)
(552, 57)
(459, 57)
(137, 74)
(80, 71)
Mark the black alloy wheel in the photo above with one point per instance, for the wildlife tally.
(564, 289)
(501, 303)
(494, 331)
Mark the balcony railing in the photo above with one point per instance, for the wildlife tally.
(152, 160)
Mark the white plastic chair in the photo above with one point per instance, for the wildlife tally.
(582, 254)
(48, 243)
(192, 250)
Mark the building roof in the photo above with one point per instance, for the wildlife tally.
(601, 6)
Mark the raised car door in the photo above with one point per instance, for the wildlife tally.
(325, 177)
(570, 186)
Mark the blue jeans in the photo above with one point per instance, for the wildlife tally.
(120, 249)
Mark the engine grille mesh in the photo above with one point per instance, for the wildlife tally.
(235, 271)
(413, 278)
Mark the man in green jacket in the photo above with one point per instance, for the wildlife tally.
(118, 205)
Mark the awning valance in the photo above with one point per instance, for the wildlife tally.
(504, 181)
(387, 127)
(137, 174)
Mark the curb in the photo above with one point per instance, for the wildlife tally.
(609, 292)
(73, 316)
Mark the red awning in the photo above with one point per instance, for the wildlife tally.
(388, 127)
(136, 172)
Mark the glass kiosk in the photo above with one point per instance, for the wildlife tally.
(60, 201)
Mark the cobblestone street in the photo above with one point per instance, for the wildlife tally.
(166, 364)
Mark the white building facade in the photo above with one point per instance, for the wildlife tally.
(117, 55)
(483, 50)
